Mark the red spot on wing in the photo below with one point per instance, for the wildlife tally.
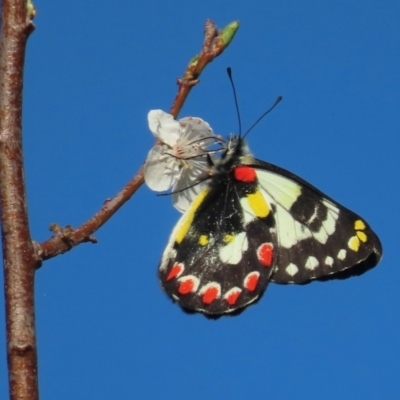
(232, 296)
(210, 295)
(265, 254)
(186, 286)
(175, 271)
(251, 281)
(244, 174)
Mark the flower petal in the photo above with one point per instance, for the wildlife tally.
(161, 170)
(198, 129)
(191, 182)
(163, 126)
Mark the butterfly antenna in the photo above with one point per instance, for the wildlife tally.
(263, 115)
(229, 71)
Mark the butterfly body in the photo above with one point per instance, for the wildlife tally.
(256, 223)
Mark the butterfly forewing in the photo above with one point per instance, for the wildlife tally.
(316, 237)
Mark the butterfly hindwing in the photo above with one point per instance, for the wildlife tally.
(220, 255)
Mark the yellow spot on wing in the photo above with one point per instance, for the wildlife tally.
(228, 238)
(258, 204)
(190, 213)
(354, 243)
(359, 225)
(203, 240)
(362, 236)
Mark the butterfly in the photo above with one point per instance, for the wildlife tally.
(256, 223)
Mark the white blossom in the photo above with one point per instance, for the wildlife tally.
(180, 160)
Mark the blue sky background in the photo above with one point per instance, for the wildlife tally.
(93, 71)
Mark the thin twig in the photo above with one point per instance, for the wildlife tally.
(64, 240)
(19, 256)
(214, 44)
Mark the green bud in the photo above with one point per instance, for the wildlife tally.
(227, 34)
(193, 62)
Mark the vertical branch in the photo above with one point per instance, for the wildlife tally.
(18, 252)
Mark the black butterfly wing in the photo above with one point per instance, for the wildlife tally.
(220, 255)
(259, 223)
(317, 238)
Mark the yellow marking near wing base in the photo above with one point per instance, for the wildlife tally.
(203, 240)
(228, 238)
(258, 204)
(189, 216)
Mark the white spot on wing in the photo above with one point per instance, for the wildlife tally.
(232, 253)
(329, 261)
(291, 269)
(342, 254)
(311, 263)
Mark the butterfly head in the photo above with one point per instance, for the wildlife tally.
(235, 150)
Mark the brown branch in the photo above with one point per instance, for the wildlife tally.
(64, 240)
(214, 44)
(22, 256)
(18, 252)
